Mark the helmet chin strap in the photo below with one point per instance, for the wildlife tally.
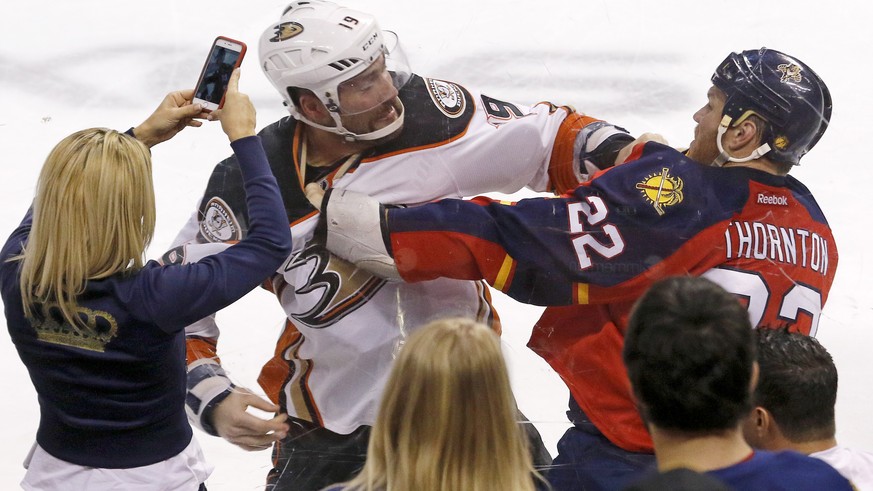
(340, 130)
(723, 156)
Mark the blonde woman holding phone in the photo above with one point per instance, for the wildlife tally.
(99, 329)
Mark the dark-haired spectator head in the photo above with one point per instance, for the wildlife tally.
(690, 354)
(795, 401)
(796, 392)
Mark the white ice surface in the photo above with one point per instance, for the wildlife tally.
(65, 66)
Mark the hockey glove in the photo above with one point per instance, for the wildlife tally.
(353, 224)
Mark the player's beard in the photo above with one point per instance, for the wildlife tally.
(374, 120)
(703, 148)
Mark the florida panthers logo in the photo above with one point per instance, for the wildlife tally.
(662, 190)
(781, 142)
(790, 73)
(330, 287)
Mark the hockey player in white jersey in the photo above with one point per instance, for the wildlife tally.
(360, 120)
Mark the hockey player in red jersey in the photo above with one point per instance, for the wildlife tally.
(726, 209)
(359, 120)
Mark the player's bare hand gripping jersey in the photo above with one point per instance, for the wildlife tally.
(590, 254)
(344, 324)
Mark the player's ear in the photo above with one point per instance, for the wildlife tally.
(313, 109)
(742, 135)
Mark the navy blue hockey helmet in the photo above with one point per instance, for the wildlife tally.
(781, 89)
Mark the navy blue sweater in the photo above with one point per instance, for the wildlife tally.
(113, 396)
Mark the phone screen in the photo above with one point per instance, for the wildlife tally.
(217, 73)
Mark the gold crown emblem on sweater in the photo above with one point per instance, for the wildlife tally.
(100, 327)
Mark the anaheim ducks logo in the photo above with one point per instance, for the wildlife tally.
(448, 97)
(333, 287)
(219, 223)
(100, 328)
(286, 31)
(790, 73)
(662, 190)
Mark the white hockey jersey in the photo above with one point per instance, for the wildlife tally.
(344, 325)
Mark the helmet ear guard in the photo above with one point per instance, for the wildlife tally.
(723, 156)
(780, 89)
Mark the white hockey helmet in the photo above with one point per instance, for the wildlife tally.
(318, 45)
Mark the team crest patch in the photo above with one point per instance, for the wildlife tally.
(790, 73)
(662, 190)
(448, 97)
(781, 142)
(175, 255)
(286, 31)
(218, 223)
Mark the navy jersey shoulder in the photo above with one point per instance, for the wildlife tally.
(664, 199)
(714, 190)
(665, 185)
(778, 471)
(804, 196)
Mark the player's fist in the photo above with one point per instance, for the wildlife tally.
(625, 152)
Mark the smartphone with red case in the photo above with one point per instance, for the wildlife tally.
(225, 55)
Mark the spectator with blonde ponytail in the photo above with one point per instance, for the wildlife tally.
(447, 420)
(100, 330)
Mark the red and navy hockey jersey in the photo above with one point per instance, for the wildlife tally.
(589, 254)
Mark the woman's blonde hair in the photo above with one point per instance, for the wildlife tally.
(93, 217)
(448, 420)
